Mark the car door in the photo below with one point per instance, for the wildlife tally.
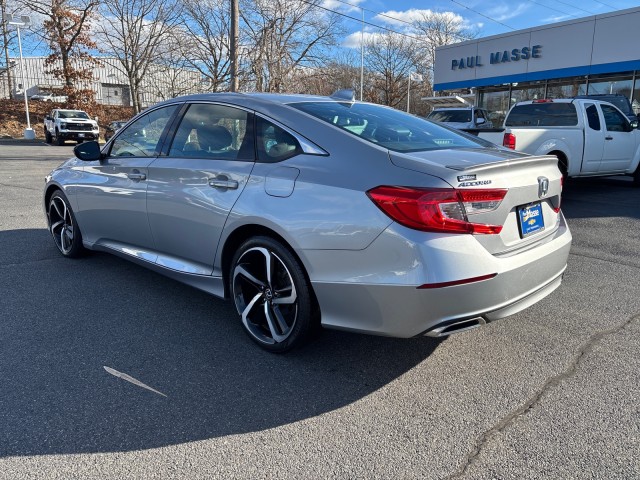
(594, 134)
(112, 193)
(193, 188)
(619, 144)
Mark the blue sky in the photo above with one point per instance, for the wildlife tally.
(486, 17)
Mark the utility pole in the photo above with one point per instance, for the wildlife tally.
(235, 13)
(5, 43)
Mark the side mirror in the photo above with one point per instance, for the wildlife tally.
(480, 121)
(48, 117)
(88, 151)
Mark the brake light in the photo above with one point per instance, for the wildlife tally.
(509, 141)
(543, 100)
(557, 207)
(442, 210)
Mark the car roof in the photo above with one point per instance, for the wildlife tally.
(255, 98)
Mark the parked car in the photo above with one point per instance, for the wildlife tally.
(463, 117)
(112, 128)
(617, 99)
(49, 97)
(62, 125)
(309, 211)
(589, 137)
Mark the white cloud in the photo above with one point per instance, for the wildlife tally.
(353, 40)
(412, 15)
(341, 6)
(508, 11)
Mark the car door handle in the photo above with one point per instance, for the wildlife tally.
(223, 182)
(608, 137)
(136, 176)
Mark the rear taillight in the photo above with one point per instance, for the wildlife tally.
(557, 207)
(443, 210)
(509, 141)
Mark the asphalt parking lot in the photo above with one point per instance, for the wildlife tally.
(552, 392)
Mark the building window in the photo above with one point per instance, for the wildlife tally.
(621, 84)
(567, 88)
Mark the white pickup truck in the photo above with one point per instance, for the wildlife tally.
(589, 137)
(61, 125)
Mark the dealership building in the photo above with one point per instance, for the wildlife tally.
(591, 55)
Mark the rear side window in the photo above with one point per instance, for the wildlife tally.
(593, 117)
(543, 115)
(454, 116)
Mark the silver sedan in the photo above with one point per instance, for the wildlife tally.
(319, 211)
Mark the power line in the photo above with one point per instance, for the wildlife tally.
(483, 15)
(462, 37)
(578, 8)
(359, 20)
(554, 9)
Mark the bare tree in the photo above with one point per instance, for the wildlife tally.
(390, 59)
(66, 30)
(203, 40)
(285, 35)
(134, 31)
(436, 29)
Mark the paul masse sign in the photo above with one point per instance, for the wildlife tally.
(514, 55)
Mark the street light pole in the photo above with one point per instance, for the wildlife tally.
(235, 13)
(24, 21)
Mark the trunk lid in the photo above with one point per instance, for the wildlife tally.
(529, 211)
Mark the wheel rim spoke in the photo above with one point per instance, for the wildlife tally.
(55, 205)
(55, 226)
(240, 270)
(271, 322)
(248, 308)
(289, 299)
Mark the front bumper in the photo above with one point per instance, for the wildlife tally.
(86, 135)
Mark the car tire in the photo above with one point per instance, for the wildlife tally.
(63, 226)
(59, 139)
(636, 177)
(278, 310)
(47, 137)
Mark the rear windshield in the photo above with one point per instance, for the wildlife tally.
(543, 115)
(457, 116)
(387, 127)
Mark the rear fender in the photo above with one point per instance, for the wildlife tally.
(558, 145)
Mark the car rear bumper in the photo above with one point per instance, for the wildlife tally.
(393, 305)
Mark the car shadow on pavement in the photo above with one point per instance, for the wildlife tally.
(62, 321)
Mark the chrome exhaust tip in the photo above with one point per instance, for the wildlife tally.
(447, 328)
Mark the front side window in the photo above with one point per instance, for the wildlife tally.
(614, 120)
(387, 127)
(214, 131)
(141, 138)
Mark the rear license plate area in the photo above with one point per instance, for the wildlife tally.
(530, 219)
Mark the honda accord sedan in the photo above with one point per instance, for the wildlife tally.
(312, 211)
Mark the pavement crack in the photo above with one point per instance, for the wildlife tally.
(607, 260)
(535, 399)
(21, 187)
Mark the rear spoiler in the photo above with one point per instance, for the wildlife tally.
(528, 159)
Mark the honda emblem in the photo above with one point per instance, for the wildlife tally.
(543, 186)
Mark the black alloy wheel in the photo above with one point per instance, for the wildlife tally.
(272, 295)
(63, 226)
